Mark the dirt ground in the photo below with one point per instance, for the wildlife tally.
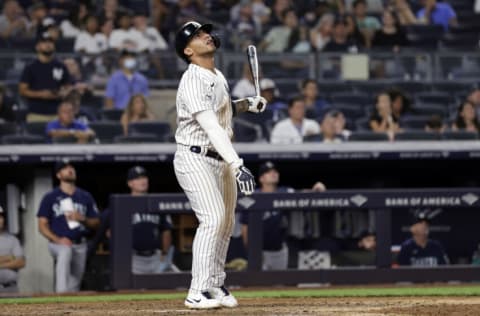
(452, 306)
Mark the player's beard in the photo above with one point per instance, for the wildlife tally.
(69, 179)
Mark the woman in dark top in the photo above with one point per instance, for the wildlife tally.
(382, 120)
(466, 119)
(391, 36)
(400, 102)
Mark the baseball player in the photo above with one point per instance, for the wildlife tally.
(206, 165)
(420, 250)
(152, 238)
(64, 216)
(11, 258)
(275, 250)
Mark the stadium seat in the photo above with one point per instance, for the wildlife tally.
(417, 135)
(106, 131)
(414, 121)
(368, 136)
(160, 129)
(411, 87)
(369, 87)
(351, 112)
(23, 139)
(7, 128)
(326, 88)
(460, 42)
(362, 124)
(36, 128)
(111, 114)
(452, 87)
(246, 132)
(424, 109)
(264, 120)
(435, 97)
(459, 135)
(313, 138)
(348, 98)
(137, 138)
(64, 140)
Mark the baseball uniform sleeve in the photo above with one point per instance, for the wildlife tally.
(45, 209)
(92, 209)
(17, 248)
(200, 96)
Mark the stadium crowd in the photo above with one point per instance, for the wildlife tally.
(123, 41)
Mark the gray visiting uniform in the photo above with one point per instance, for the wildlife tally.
(9, 246)
(209, 183)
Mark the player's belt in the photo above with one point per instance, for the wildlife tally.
(208, 153)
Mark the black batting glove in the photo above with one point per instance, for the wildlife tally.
(245, 180)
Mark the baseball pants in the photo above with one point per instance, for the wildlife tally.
(70, 265)
(275, 260)
(212, 191)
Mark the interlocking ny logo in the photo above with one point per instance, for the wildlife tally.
(470, 198)
(246, 202)
(358, 199)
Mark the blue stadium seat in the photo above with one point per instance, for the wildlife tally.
(368, 136)
(138, 138)
(417, 135)
(459, 135)
(36, 128)
(436, 97)
(105, 132)
(425, 109)
(161, 130)
(348, 98)
(23, 139)
(414, 121)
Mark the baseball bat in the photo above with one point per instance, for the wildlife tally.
(253, 63)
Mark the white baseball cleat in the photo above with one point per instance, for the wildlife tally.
(202, 301)
(224, 296)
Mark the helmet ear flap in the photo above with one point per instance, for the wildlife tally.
(216, 40)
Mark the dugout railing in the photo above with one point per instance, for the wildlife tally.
(382, 202)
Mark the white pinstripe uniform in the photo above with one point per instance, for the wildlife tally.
(209, 183)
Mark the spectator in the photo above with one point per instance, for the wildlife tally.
(72, 25)
(367, 25)
(293, 129)
(65, 216)
(435, 124)
(474, 97)
(440, 13)
(81, 114)
(11, 257)
(420, 251)
(278, 8)
(269, 91)
(44, 82)
(382, 119)
(246, 26)
(125, 82)
(150, 38)
(7, 113)
(65, 126)
(401, 103)
(106, 28)
(36, 13)
(110, 11)
(274, 222)
(12, 22)
(328, 128)
(313, 103)
(404, 12)
(124, 37)
(367, 241)
(321, 34)
(391, 36)
(76, 77)
(279, 38)
(340, 41)
(244, 87)
(91, 40)
(183, 11)
(50, 29)
(137, 110)
(340, 125)
(466, 119)
(152, 238)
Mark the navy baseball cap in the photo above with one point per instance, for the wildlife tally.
(266, 167)
(421, 216)
(136, 172)
(59, 165)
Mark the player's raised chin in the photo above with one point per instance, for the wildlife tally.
(201, 44)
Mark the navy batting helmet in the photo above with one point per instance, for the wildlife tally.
(185, 34)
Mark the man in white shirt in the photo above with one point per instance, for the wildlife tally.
(293, 129)
(149, 37)
(91, 41)
(125, 37)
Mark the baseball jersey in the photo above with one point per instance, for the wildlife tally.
(50, 208)
(430, 256)
(147, 228)
(274, 225)
(9, 245)
(200, 90)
